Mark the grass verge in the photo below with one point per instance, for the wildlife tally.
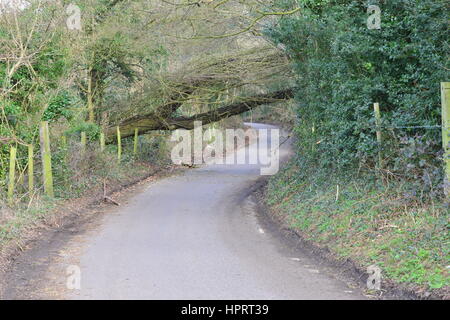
(369, 223)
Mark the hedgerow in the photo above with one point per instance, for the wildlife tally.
(343, 67)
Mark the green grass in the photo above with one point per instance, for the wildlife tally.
(369, 223)
(12, 228)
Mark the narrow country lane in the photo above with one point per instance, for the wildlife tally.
(194, 237)
(198, 236)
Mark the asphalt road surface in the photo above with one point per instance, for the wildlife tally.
(197, 236)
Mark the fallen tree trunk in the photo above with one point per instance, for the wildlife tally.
(163, 121)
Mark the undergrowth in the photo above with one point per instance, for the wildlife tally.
(76, 174)
(369, 221)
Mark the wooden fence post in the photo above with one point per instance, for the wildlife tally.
(12, 174)
(64, 142)
(445, 96)
(83, 142)
(30, 169)
(136, 139)
(65, 148)
(376, 108)
(102, 142)
(314, 140)
(46, 159)
(119, 145)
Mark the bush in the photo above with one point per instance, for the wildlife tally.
(60, 106)
(343, 68)
(92, 130)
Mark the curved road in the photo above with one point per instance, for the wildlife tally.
(197, 236)
(193, 236)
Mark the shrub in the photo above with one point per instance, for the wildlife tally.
(343, 67)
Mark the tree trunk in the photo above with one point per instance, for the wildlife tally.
(159, 121)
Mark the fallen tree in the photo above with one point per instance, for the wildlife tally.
(164, 119)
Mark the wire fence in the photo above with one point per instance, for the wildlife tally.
(32, 171)
(39, 164)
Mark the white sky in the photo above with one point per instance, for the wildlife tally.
(13, 4)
